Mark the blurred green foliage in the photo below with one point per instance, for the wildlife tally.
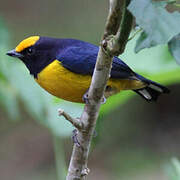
(174, 45)
(173, 169)
(158, 24)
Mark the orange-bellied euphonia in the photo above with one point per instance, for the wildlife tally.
(64, 68)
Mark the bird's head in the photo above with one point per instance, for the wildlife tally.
(36, 52)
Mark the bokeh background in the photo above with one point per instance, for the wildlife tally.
(136, 140)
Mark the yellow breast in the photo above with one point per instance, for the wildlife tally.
(70, 86)
(63, 83)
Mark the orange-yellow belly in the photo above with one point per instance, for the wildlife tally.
(70, 86)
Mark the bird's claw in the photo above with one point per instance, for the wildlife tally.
(86, 98)
(103, 100)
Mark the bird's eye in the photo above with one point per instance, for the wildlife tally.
(29, 51)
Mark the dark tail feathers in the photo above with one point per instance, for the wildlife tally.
(152, 91)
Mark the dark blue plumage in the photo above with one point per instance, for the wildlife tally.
(80, 57)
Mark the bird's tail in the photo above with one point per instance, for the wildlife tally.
(152, 91)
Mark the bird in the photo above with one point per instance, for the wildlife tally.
(64, 68)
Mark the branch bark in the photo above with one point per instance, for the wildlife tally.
(74, 121)
(117, 29)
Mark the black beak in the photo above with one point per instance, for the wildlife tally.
(13, 53)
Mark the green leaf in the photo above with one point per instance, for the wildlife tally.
(174, 48)
(142, 42)
(159, 26)
(155, 60)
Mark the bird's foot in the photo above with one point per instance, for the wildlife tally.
(103, 100)
(85, 98)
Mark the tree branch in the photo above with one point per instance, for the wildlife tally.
(74, 121)
(113, 43)
(118, 42)
(113, 19)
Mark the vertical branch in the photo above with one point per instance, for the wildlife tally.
(117, 44)
(118, 26)
(113, 19)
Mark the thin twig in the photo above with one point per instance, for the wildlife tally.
(74, 121)
(135, 33)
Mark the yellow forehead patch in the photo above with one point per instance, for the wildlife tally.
(30, 41)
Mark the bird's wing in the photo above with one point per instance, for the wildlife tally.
(82, 60)
(121, 70)
(79, 60)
